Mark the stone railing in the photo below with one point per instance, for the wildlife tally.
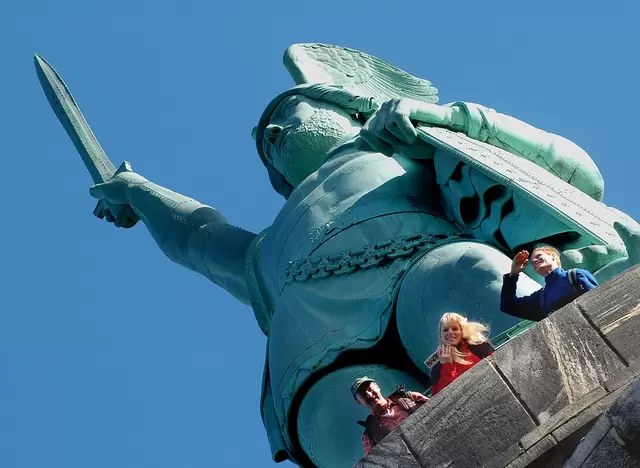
(614, 441)
(532, 402)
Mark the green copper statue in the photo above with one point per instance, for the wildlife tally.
(397, 210)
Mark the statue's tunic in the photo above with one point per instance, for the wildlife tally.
(355, 199)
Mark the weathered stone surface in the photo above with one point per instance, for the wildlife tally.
(391, 452)
(607, 454)
(557, 362)
(537, 455)
(624, 377)
(476, 422)
(564, 430)
(625, 417)
(586, 416)
(613, 441)
(614, 308)
(565, 414)
(592, 439)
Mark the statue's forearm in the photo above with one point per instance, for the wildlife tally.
(194, 235)
(556, 154)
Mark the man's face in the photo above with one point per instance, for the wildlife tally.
(301, 133)
(369, 395)
(543, 262)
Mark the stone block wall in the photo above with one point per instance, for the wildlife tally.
(532, 402)
(614, 441)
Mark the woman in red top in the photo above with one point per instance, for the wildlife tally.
(462, 345)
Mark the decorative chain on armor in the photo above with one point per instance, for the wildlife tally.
(369, 256)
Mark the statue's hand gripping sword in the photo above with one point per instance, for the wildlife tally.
(95, 159)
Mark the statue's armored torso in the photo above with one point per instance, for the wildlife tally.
(356, 202)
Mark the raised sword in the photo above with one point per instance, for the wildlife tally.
(95, 159)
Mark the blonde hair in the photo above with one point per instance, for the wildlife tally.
(551, 251)
(473, 333)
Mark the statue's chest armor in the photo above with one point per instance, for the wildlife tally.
(350, 202)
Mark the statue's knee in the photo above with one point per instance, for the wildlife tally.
(462, 277)
(327, 422)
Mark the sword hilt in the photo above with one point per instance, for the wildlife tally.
(124, 214)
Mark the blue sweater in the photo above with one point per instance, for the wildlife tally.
(556, 293)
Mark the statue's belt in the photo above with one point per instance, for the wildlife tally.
(369, 256)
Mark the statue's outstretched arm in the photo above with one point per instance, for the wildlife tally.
(188, 232)
(394, 123)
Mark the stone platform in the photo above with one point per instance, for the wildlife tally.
(539, 395)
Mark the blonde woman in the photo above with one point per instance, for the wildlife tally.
(462, 345)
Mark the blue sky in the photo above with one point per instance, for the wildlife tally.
(111, 356)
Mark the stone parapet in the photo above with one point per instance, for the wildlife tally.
(614, 441)
(532, 402)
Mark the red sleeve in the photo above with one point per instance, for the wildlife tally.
(367, 443)
(448, 374)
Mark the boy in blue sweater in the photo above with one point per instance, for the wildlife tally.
(558, 289)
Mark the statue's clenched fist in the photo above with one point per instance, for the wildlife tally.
(393, 125)
(115, 198)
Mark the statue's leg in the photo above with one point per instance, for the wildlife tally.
(463, 277)
(327, 421)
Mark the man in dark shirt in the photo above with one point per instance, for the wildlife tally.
(386, 413)
(559, 288)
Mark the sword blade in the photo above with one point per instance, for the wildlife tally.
(76, 126)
